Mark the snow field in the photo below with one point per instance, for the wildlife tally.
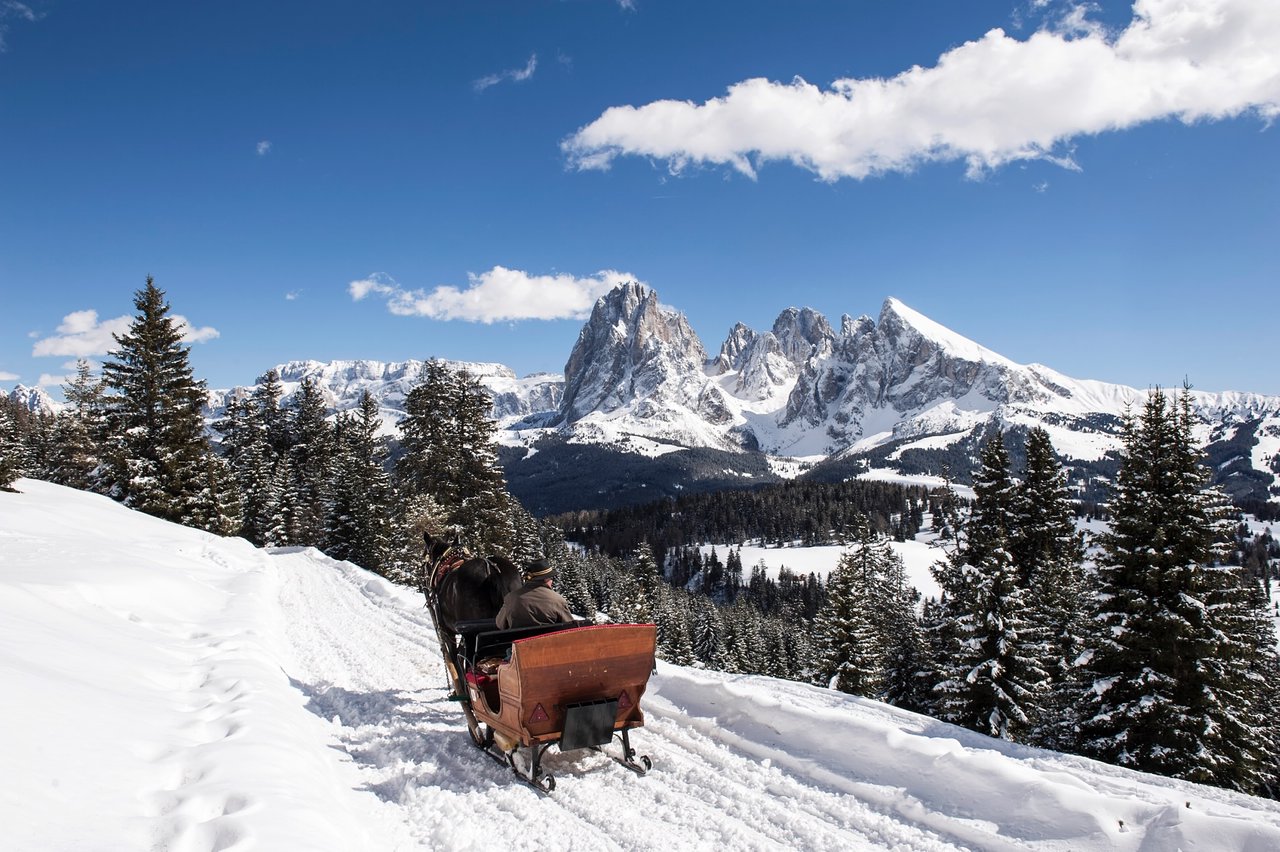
(169, 690)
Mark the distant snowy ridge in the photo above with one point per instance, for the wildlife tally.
(342, 382)
(165, 688)
(897, 392)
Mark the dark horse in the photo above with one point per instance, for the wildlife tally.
(462, 587)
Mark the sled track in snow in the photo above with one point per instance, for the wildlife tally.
(369, 664)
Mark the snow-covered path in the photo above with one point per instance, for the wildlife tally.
(369, 666)
(165, 689)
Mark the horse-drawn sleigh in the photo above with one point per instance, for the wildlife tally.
(574, 685)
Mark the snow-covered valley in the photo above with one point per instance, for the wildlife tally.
(167, 689)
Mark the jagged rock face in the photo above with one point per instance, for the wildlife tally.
(763, 367)
(635, 352)
(893, 364)
(803, 334)
(740, 338)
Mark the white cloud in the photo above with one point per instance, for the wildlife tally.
(987, 102)
(13, 9)
(48, 380)
(379, 283)
(8, 377)
(82, 334)
(498, 295)
(516, 75)
(191, 334)
(292, 295)
(264, 147)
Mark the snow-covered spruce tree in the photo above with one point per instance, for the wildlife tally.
(907, 664)
(449, 453)
(851, 642)
(281, 507)
(13, 450)
(993, 680)
(677, 646)
(1171, 690)
(255, 441)
(573, 581)
(311, 452)
(429, 456)
(866, 637)
(709, 635)
(358, 525)
(220, 508)
(1049, 554)
(256, 463)
(1248, 617)
(79, 431)
(156, 453)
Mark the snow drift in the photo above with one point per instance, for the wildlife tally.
(168, 689)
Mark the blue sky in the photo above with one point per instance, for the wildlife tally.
(1095, 188)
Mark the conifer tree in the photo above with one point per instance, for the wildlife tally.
(709, 636)
(1173, 643)
(572, 582)
(677, 646)
(449, 453)
(358, 523)
(1049, 554)
(992, 678)
(220, 508)
(868, 607)
(850, 645)
(157, 454)
(79, 431)
(311, 451)
(12, 447)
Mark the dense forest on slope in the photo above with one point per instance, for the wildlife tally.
(802, 511)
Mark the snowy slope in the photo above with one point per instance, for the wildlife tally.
(168, 689)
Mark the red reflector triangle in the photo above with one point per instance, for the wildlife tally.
(539, 715)
(624, 700)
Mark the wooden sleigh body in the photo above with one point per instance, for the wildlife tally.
(575, 686)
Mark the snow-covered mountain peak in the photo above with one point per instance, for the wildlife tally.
(803, 333)
(34, 400)
(636, 355)
(896, 319)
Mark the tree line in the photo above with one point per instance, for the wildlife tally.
(800, 512)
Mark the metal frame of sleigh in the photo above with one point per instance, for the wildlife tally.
(572, 685)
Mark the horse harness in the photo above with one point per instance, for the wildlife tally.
(449, 560)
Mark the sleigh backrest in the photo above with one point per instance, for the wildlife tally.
(606, 662)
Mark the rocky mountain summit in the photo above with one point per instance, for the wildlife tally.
(643, 410)
(898, 395)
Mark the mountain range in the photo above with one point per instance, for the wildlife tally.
(644, 410)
